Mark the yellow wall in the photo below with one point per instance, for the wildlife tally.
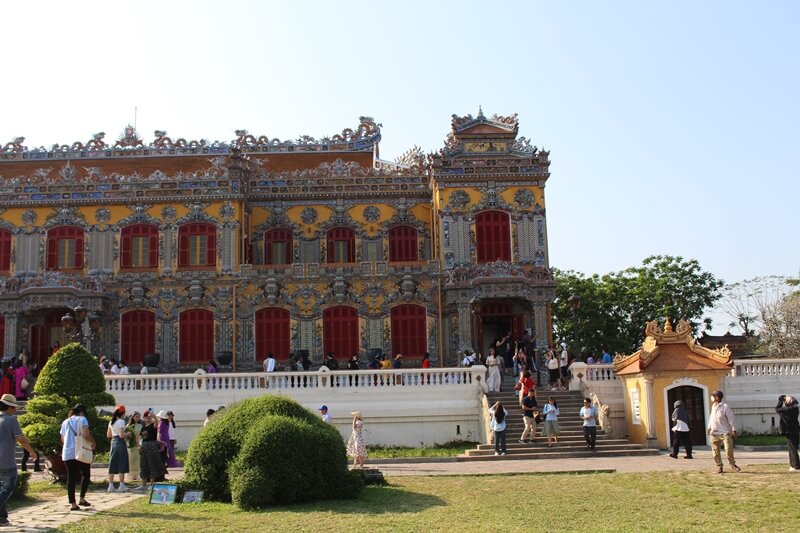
(710, 379)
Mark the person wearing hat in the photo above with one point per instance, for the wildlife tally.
(323, 412)
(397, 362)
(163, 438)
(10, 435)
(118, 463)
(722, 429)
(356, 445)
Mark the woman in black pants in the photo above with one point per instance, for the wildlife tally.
(73, 426)
(681, 431)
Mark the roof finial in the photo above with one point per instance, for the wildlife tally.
(480, 112)
(667, 325)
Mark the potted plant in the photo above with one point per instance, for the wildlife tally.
(70, 376)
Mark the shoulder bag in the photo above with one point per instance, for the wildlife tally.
(83, 450)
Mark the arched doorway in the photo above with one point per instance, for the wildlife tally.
(694, 400)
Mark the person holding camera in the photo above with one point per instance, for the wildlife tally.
(787, 408)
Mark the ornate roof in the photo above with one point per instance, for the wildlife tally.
(672, 350)
(508, 123)
(129, 143)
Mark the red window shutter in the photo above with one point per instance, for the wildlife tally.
(403, 244)
(272, 333)
(152, 260)
(340, 331)
(52, 251)
(409, 330)
(137, 335)
(125, 254)
(183, 246)
(493, 235)
(79, 249)
(196, 336)
(2, 330)
(5, 250)
(211, 244)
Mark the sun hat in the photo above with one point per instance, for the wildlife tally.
(356, 413)
(162, 414)
(9, 400)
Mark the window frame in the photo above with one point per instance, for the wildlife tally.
(131, 233)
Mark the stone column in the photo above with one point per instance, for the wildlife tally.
(167, 247)
(228, 248)
(166, 344)
(540, 324)
(464, 326)
(650, 413)
(10, 343)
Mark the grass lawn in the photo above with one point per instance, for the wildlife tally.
(445, 450)
(761, 440)
(759, 499)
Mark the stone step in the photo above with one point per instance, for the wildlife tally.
(563, 453)
(542, 441)
(542, 448)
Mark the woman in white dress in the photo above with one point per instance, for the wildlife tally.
(493, 380)
(356, 445)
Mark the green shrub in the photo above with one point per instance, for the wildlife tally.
(269, 450)
(70, 376)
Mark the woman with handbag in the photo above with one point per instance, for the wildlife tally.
(77, 453)
(680, 431)
(118, 457)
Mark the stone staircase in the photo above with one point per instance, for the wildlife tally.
(571, 443)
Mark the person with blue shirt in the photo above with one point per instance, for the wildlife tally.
(10, 435)
(606, 358)
(71, 427)
(497, 414)
(551, 422)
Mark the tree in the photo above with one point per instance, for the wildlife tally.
(70, 376)
(746, 302)
(780, 333)
(615, 307)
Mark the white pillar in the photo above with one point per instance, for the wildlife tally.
(650, 421)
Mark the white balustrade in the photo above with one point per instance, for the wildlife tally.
(743, 368)
(340, 379)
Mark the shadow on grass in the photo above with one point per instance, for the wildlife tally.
(372, 500)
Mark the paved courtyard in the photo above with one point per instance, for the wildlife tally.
(54, 512)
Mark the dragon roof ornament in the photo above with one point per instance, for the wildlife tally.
(367, 133)
(508, 123)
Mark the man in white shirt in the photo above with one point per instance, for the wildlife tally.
(564, 363)
(323, 412)
(722, 429)
(115, 368)
(123, 369)
(269, 363)
(589, 415)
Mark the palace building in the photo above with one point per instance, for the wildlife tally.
(190, 249)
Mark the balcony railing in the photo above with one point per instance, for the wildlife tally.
(766, 367)
(343, 379)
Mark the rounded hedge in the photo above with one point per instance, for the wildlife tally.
(70, 376)
(268, 450)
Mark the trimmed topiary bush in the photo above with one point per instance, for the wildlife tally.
(269, 450)
(70, 376)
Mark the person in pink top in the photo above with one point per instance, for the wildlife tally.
(20, 373)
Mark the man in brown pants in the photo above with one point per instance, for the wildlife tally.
(722, 429)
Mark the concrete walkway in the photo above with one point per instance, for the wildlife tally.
(702, 461)
(54, 512)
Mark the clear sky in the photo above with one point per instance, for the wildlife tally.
(673, 126)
